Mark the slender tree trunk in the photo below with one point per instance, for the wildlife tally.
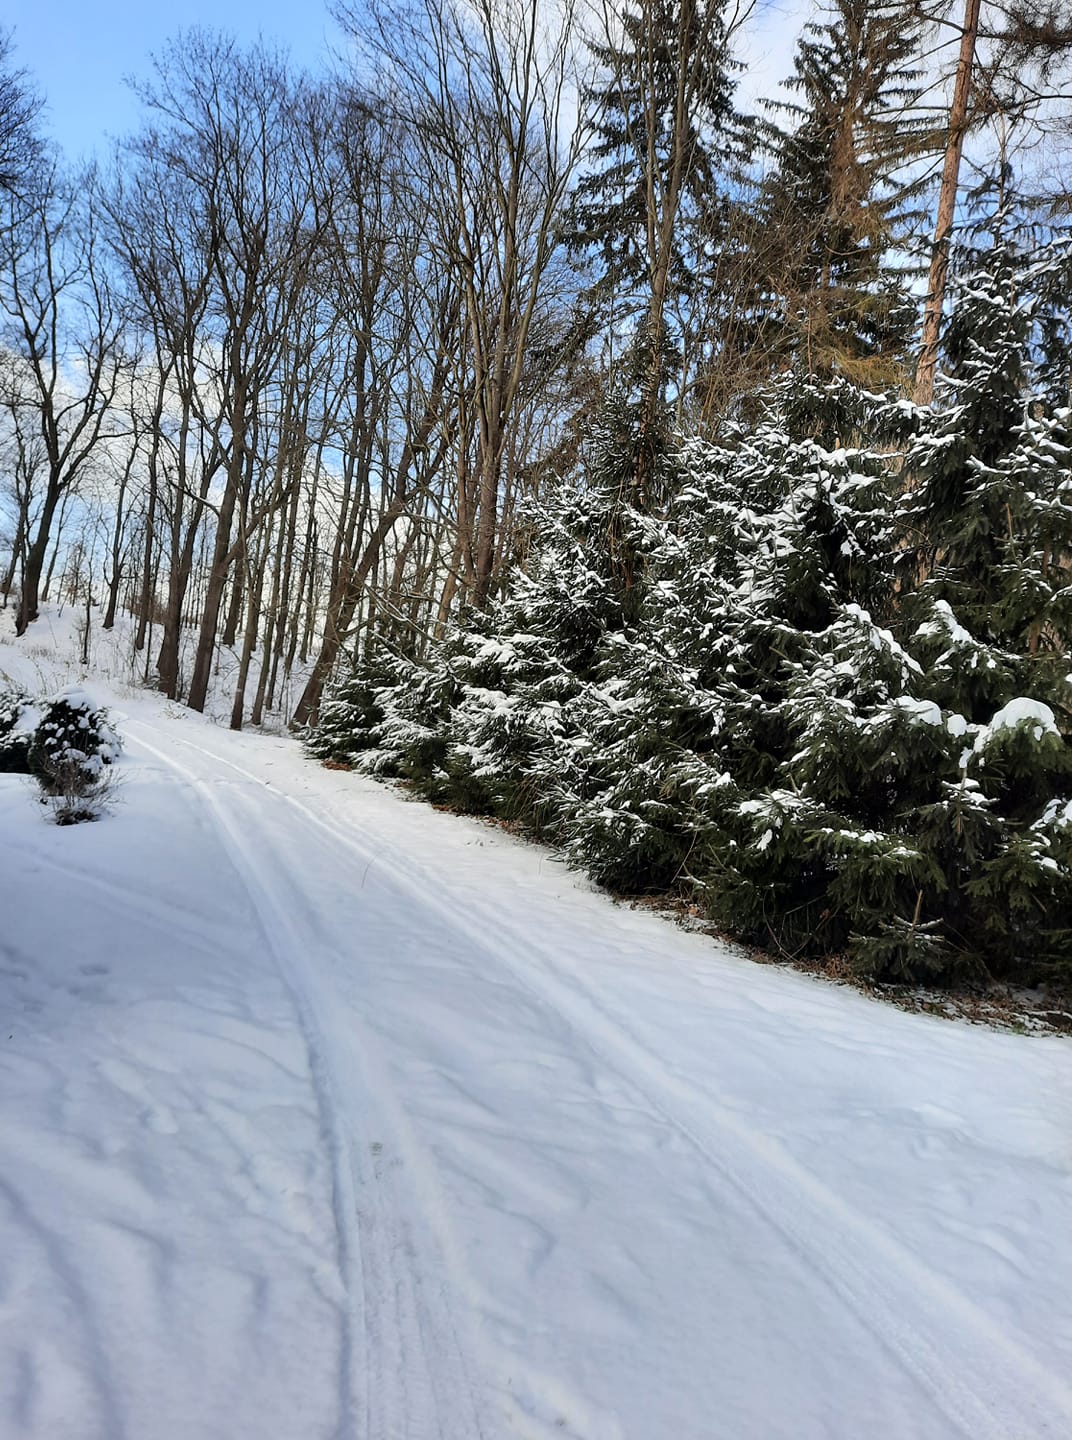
(17, 549)
(167, 664)
(148, 646)
(217, 581)
(234, 609)
(947, 204)
(306, 569)
(148, 594)
(118, 569)
(108, 623)
(249, 644)
(487, 529)
(281, 610)
(183, 551)
(309, 625)
(450, 589)
(271, 621)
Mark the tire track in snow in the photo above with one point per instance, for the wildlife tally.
(407, 1395)
(285, 948)
(423, 1365)
(906, 1307)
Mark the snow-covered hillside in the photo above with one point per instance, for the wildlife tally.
(326, 1115)
(49, 657)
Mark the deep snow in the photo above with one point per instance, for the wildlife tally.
(325, 1115)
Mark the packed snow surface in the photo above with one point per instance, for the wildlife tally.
(325, 1115)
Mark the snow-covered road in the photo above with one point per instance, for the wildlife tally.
(325, 1115)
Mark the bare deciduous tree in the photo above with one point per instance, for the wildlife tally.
(63, 322)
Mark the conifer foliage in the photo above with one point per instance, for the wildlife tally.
(16, 714)
(667, 50)
(73, 740)
(828, 697)
(836, 202)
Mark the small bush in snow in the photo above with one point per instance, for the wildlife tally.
(72, 745)
(74, 797)
(17, 718)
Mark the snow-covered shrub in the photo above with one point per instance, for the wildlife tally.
(522, 671)
(73, 742)
(17, 718)
(67, 744)
(73, 797)
(412, 736)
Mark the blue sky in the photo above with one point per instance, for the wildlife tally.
(78, 51)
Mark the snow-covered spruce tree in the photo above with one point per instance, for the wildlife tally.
(413, 739)
(824, 732)
(513, 734)
(531, 669)
(773, 541)
(988, 614)
(666, 141)
(349, 716)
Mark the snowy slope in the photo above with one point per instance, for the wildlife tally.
(324, 1115)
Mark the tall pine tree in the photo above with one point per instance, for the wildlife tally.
(837, 208)
(658, 195)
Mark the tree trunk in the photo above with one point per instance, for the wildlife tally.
(271, 619)
(487, 530)
(114, 583)
(18, 547)
(217, 581)
(282, 610)
(179, 572)
(249, 644)
(29, 603)
(234, 610)
(947, 204)
(148, 596)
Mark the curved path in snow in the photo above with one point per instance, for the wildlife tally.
(327, 1115)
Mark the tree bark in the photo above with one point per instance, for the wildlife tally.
(947, 204)
(29, 601)
(217, 580)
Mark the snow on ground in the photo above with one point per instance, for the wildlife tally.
(325, 1115)
(49, 658)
